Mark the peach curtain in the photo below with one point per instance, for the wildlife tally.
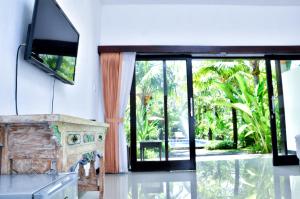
(111, 77)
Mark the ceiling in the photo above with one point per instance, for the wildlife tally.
(205, 2)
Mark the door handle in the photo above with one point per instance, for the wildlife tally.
(191, 107)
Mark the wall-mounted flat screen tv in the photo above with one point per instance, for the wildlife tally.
(52, 41)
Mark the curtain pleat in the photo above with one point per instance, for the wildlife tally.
(111, 78)
(128, 62)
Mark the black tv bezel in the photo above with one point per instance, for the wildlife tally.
(28, 50)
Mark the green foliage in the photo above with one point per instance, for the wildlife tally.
(146, 130)
(219, 87)
(252, 102)
(127, 124)
(66, 69)
(148, 77)
(209, 116)
(150, 95)
(224, 144)
(229, 85)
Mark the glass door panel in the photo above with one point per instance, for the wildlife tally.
(283, 80)
(290, 73)
(150, 123)
(178, 114)
(162, 136)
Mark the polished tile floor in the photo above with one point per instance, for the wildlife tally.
(217, 177)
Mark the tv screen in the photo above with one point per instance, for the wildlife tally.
(52, 41)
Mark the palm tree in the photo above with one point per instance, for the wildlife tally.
(224, 84)
(210, 117)
(255, 70)
(252, 102)
(150, 96)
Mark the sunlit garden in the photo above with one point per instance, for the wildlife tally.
(230, 108)
(222, 87)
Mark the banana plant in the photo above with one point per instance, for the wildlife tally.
(252, 102)
(146, 130)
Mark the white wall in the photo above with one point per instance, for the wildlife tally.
(290, 84)
(131, 24)
(202, 23)
(35, 87)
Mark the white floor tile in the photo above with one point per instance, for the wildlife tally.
(241, 177)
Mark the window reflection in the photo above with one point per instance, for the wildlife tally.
(236, 177)
(247, 178)
(62, 65)
(180, 185)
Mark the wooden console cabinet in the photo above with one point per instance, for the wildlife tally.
(32, 143)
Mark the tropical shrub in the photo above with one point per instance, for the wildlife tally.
(252, 102)
(146, 130)
(219, 87)
(226, 85)
(214, 121)
(224, 144)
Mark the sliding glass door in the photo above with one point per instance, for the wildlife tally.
(283, 74)
(162, 136)
(162, 117)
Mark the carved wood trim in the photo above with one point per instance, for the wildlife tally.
(31, 147)
(4, 159)
(92, 182)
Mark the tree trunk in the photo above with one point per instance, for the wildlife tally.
(255, 71)
(209, 134)
(235, 129)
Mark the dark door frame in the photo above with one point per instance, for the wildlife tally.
(233, 111)
(166, 165)
(182, 49)
(178, 165)
(278, 160)
(217, 52)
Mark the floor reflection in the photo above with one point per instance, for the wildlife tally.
(251, 176)
(246, 177)
(162, 185)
